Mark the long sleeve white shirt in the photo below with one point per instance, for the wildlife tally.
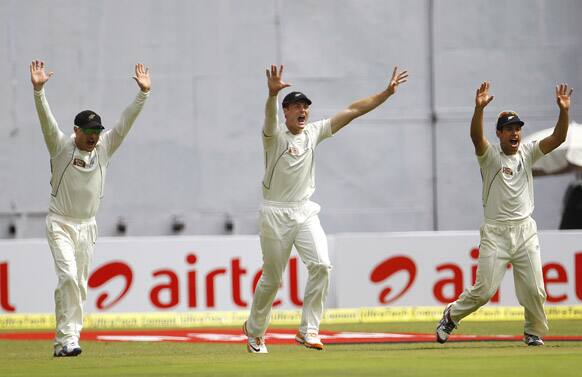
(290, 159)
(77, 176)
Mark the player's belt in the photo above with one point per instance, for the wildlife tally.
(271, 203)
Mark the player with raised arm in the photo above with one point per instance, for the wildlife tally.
(78, 167)
(509, 233)
(287, 216)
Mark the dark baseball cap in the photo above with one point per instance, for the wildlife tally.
(295, 97)
(508, 117)
(88, 119)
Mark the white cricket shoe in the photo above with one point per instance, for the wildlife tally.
(69, 349)
(445, 326)
(254, 344)
(309, 340)
(532, 340)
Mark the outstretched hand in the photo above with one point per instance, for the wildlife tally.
(274, 81)
(37, 74)
(482, 97)
(142, 77)
(563, 96)
(397, 79)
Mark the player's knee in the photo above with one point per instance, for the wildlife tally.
(482, 296)
(67, 277)
(322, 269)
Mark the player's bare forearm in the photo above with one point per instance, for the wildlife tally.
(563, 94)
(357, 109)
(557, 137)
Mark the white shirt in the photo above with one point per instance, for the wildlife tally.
(508, 182)
(289, 159)
(78, 177)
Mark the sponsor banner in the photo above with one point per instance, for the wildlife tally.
(433, 268)
(149, 274)
(210, 319)
(216, 274)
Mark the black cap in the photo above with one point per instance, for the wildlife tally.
(508, 117)
(88, 119)
(295, 97)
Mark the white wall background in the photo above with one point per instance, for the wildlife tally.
(195, 151)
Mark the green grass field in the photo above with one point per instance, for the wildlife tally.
(472, 359)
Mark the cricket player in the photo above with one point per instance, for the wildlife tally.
(508, 234)
(78, 168)
(287, 216)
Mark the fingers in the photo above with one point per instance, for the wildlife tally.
(141, 70)
(36, 65)
(562, 90)
(483, 88)
(274, 73)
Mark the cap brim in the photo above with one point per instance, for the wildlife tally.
(514, 122)
(306, 100)
(93, 125)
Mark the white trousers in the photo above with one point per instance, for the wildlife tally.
(283, 225)
(502, 243)
(71, 242)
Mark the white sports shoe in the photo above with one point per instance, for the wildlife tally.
(445, 326)
(532, 340)
(309, 340)
(254, 344)
(69, 349)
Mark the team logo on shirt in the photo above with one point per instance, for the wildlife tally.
(293, 150)
(507, 171)
(79, 162)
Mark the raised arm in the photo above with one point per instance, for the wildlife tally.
(365, 105)
(275, 85)
(113, 138)
(553, 141)
(53, 136)
(482, 99)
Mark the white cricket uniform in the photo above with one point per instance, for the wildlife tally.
(289, 218)
(77, 181)
(508, 235)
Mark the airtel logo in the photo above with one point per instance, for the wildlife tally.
(388, 268)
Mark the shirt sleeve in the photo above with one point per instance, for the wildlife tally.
(271, 119)
(112, 138)
(322, 130)
(536, 152)
(486, 158)
(54, 138)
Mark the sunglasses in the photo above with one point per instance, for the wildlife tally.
(91, 131)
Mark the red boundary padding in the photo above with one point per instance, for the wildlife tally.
(273, 337)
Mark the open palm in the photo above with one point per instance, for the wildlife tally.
(275, 81)
(38, 76)
(482, 97)
(142, 77)
(563, 96)
(397, 79)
